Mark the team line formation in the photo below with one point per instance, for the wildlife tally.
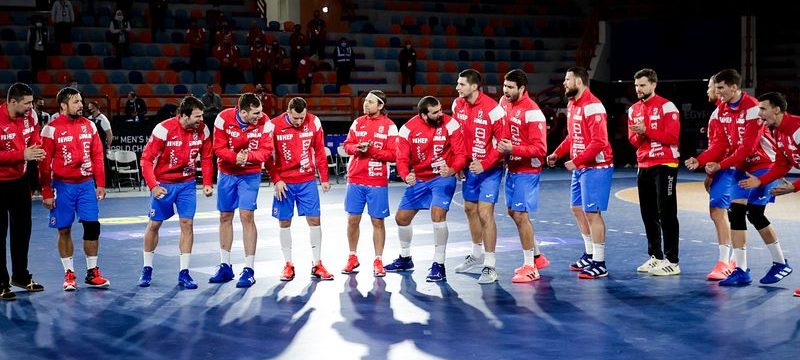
(753, 143)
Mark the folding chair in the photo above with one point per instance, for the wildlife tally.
(332, 163)
(127, 164)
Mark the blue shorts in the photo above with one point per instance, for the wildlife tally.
(304, 194)
(522, 192)
(719, 192)
(482, 187)
(71, 198)
(591, 188)
(424, 194)
(755, 196)
(237, 191)
(182, 196)
(377, 197)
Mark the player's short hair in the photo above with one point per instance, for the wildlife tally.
(728, 76)
(65, 94)
(775, 99)
(473, 76)
(248, 101)
(580, 73)
(518, 77)
(17, 91)
(425, 103)
(189, 104)
(95, 104)
(382, 96)
(297, 104)
(650, 74)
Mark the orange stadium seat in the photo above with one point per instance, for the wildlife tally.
(62, 77)
(451, 42)
(169, 50)
(318, 78)
(43, 77)
(110, 90)
(432, 77)
(478, 66)
(425, 42)
(4, 63)
(144, 90)
(502, 67)
(395, 28)
(419, 90)
(161, 63)
(346, 89)
(50, 89)
(99, 77)
(425, 29)
(152, 77)
(450, 67)
(92, 62)
(170, 77)
(184, 51)
(529, 67)
(197, 14)
(55, 62)
(527, 44)
(381, 41)
(67, 50)
(288, 26)
(451, 30)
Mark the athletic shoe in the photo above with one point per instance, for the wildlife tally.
(352, 264)
(246, 278)
(185, 280)
(526, 273)
(224, 274)
(648, 265)
(7, 294)
(437, 273)
(488, 275)
(584, 261)
(738, 277)
(288, 272)
(540, 261)
(797, 292)
(69, 281)
(720, 271)
(402, 263)
(95, 279)
(319, 272)
(377, 268)
(595, 270)
(146, 277)
(32, 286)
(469, 263)
(665, 268)
(776, 273)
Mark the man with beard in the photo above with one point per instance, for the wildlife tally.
(653, 129)
(72, 165)
(169, 165)
(430, 151)
(20, 145)
(524, 143)
(592, 167)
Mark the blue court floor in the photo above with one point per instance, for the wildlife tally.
(627, 315)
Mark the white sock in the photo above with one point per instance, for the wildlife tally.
(404, 233)
(599, 252)
(587, 243)
(148, 258)
(286, 243)
(440, 234)
(740, 255)
(249, 260)
(536, 251)
(316, 242)
(185, 260)
(224, 256)
(67, 263)
(477, 250)
(725, 253)
(378, 257)
(91, 262)
(528, 254)
(352, 253)
(489, 260)
(776, 252)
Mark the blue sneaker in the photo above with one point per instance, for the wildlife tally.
(437, 273)
(595, 270)
(776, 273)
(584, 261)
(224, 274)
(147, 275)
(186, 281)
(246, 279)
(738, 277)
(402, 263)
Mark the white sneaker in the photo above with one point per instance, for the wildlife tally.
(488, 275)
(469, 263)
(648, 265)
(666, 268)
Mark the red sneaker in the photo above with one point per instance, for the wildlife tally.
(95, 279)
(288, 272)
(377, 268)
(541, 262)
(319, 272)
(797, 292)
(69, 281)
(352, 264)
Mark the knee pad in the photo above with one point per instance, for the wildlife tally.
(755, 214)
(737, 215)
(91, 230)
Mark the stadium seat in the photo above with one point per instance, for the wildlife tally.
(186, 77)
(463, 55)
(154, 50)
(24, 76)
(43, 77)
(82, 77)
(288, 26)
(84, 49)
(89, 89)
(75, 62)
(99, 77)
(8, 77)
(180, 89)
(274, 26)
(170, 77)
(67, 49)
(110, 63)
(152, 77)
(117, 77)
(62, 77)
(21, 62)
(8, 35)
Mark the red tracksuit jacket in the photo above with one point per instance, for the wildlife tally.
(73, 153)
(230, 138)
(170, 155)
(425, 148)
(371, 168)
(659, 143)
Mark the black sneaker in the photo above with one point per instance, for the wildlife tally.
(32, 286)
(7, 294)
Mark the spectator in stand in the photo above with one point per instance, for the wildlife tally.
(223, 32)
(345, 60)
(408, 66)
(102, 124)
(38, 107)
(135, 108)
(298, 43)
(266, 100)
(211, 101)
(119, 29)
(196, 38)
(158, 15)
(255, 34)
(305, 72)
(275, 57)
(214, 19)
(38, 42)
(258, 61)
(63, 16)
(317, 32)
(228, 55)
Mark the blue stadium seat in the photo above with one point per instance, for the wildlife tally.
(110, 63)
(180, 89)
(392, 66)
(463, 55)
(25, 76)
(75, 62)
(138, 49)
(204, 77)
(274, 26)
(128, 63)
(101, 49)
(212, 63)
(489, 55)
(20, 62)
(84, 49)
(82, 77)
(7, 77)
(177, 37)
(135, 77)
(233, 88)
(395, 42)
(162, 89)
(89, 89)
(124, 89)
(186, 77)
(8, 35)
(154, 50)
(162, 38)
(13, 48)
(117, 77)
(198, 90)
